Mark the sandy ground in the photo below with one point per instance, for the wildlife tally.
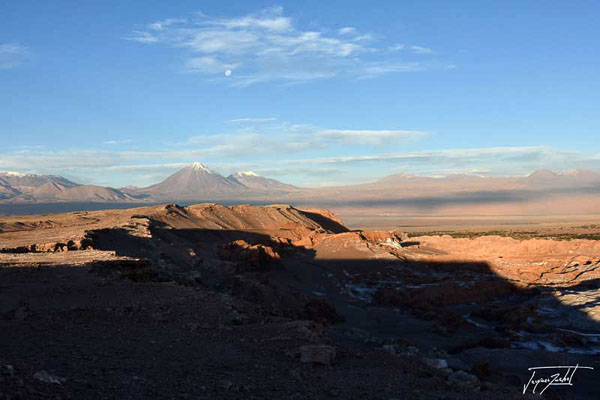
(481, 223)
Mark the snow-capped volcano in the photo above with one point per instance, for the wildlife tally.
(196, 181)
(254, 181)
(245, 173)
(196, 166)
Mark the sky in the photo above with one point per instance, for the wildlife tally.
(311, 93)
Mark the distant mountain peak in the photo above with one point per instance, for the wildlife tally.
(196, 166)
(543, 173)
(396, 177)
(11, 173)
(14, 184)
(246, 173)
(579, 173)
(196, 181)
(253, 181)
(408, 176)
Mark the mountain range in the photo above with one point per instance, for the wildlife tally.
(192, 183)
(570, 191)
(26, 188)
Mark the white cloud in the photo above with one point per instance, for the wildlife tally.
(376, 69)
(347, 30)
(269, 19)
(144, 37)
(251, 137)
(376, 137)
(160, 25)
(440, 156)
(420, 50)
(209, 65)
(397, 47)
(254, 143)
(411, 49)
(58, 160)
(268, 46)
(11, 55)
(115, 142)
(251, 120)
(267, 135)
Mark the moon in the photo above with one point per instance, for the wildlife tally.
(228, 72)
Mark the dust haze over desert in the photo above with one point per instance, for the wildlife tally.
(299, 200)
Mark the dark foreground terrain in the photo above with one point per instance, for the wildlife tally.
(209, 302)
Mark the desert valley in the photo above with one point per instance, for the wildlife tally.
(569, 196)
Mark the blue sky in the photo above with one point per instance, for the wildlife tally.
(311, 93)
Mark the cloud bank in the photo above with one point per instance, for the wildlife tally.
(300, 154)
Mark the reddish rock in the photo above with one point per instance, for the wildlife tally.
(256, 257)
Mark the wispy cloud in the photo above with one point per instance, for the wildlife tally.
(375, 137)
(240, 144)
(119, 167)
(347, 30)
(250, 139)
(251, 120)
(421, 50)
(461, 155)
(303, 154)
(160, 25)
(411, 49)
(269, 136)
(116, 142)
(11, 55)
(268, 46)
